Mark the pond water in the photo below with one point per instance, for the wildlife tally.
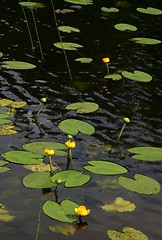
(139, 101)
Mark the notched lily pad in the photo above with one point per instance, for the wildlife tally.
(68, 29)
(83, 107)
(68, 45)
(140, 184)
(4, 169)
(125, 27)
(150, 10)
(17, 65)
(84, 60)
(119, 205)
(151, 154)
(138, 76)
(147, 41)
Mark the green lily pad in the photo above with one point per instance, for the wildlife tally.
(63, 212)
(147, 41)
(151, 154)
(3, 118)
(32, 4)
(73, 126)
(71, 178)
(22, 157)
(104, 167)
(114, 77)
(84, 60)
(68, 29)
(83, 107)
(110, 10)
(38, 180)
(150, 10)
(1, 54)
(137, 76)
(140, 184)
(68, 45)
(125, 27)
(81, 2)
(17, 65)
(38, 147)
(128, 233)
(4, 169)
(3, 163)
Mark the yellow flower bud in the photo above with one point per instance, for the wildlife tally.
(49, 152)
(70, 144)
(69, 136)
(82, 211)
(43, 100)
(106, 60)
(126, 120)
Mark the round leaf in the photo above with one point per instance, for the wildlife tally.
(67, 45)
(114, 76)
(147, 153)
(38, 180)
(125, 27)
(73, 126)
(83, 107)
(17, 65)
(137, 76)
(104, 167)
(68, 29)
(147, 41)
(150, 10)
(140, 184)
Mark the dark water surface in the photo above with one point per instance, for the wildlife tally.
(141, 102)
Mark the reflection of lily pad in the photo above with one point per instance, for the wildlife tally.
(83, 107)
(147, 153)
(82, 2)
(140, 184)
(104, 167)
(7, 130)
(150, 10)
(67, 45)
(65, 229)
(68, 29)
(147, 41)
(17, 65)
(119, 205)
(84, 60)
(114, 76)
(38, 180)
(32, 4)
(42, 167)
(128, 233)
(137, 76)
(110, 10)
(63, 212)
(74, 126)
(125, 27)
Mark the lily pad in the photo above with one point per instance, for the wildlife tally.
(84, 60)
(73, 126)
(17, 65)
(4, 214)
(114, 77)
(125, 27)
(38, 180)
(32, 4)
(68, 45)
(71, 178)
(63, 212)
(81, 2)
(3, 119)
(3, 163)
(128, 233)
(150, 10)
(140, 184)
(83, 107)
(151, 154)
(119, 205)
(38, 147)
(68, 29)
(1, 54)
(4, 169)
(22, 157)
(105, 167)
(147, 41)
(7, 130)
(138, 76)
(18, 104)
(110, 10)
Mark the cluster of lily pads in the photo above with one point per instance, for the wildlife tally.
(33, 155)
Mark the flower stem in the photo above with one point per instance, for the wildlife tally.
(69, 158)
(121, 131)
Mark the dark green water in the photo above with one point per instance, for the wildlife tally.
(141, 102)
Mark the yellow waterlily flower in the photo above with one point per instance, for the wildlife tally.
(106, 60)
(70, 144)
(82, 211)
(49, 152)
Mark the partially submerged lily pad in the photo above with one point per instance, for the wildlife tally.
(68, 29)
(4, 169)
(5, 102)
(150, 10)
(4, 214)
(68, 45)
(32, 4)
(4, 119)
(42, 167)
(119, 205)
(138, 76)
(17, 65)
(110, 10)
(7, 130)
(147, 41)
(83, 107)
(125, 27)
(150, 154)
(84, 60)
(140, 184)
(114, 77)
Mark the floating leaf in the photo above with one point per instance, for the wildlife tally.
(108, 183)
(18, 104)
(104, 167)
(4, 215)
(83, 107)
(82, 2)
(4, 169)
(64, 229)
(3, 119)
(42, 167)
(38, 147)
(3, 163)
(7, 130)
(73, 126)
(32, 4)
(125, 27)
(128, 233)
(22, 157)
(63, 212)
(150, 10)
(5, 102)
(1, 54)
(147, 153)
(149, 41)
(119, 205)
(84, 60)
(65, 10)
(38, 180)
(17, 65)
(114, 76)
(71, 178)
(137, 76)
(140, 184)
(68, 29)
(67, 45)
(110, 10)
